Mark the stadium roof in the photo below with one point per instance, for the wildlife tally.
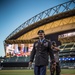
(20, 41)
(49, 15)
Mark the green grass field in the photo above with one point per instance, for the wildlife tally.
(30, 72)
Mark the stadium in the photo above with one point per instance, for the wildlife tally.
(58, 23)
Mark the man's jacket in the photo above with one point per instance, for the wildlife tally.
(41, 52)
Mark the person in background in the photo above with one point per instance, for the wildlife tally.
(56, 55)
(41, 49)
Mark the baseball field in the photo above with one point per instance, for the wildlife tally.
(30, 72)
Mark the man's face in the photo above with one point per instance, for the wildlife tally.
(41, 35)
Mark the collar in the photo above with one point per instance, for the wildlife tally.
(41, 40)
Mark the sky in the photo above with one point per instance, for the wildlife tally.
(15, 12)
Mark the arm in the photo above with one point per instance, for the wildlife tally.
(32, 53)
(51, 52)
(53, 63)
(54, 48)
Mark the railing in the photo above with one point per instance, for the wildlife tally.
(67, 6)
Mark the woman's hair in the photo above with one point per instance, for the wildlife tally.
(53, 42)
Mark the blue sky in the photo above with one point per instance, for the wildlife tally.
(15, 12)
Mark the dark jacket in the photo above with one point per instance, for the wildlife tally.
(41, 52)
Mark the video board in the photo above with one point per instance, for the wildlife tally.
(18, 49)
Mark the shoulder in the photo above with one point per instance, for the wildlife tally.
(36, 42)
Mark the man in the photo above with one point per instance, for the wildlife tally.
(56, 55)
(41, 49)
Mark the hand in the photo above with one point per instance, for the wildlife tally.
(30, 63)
